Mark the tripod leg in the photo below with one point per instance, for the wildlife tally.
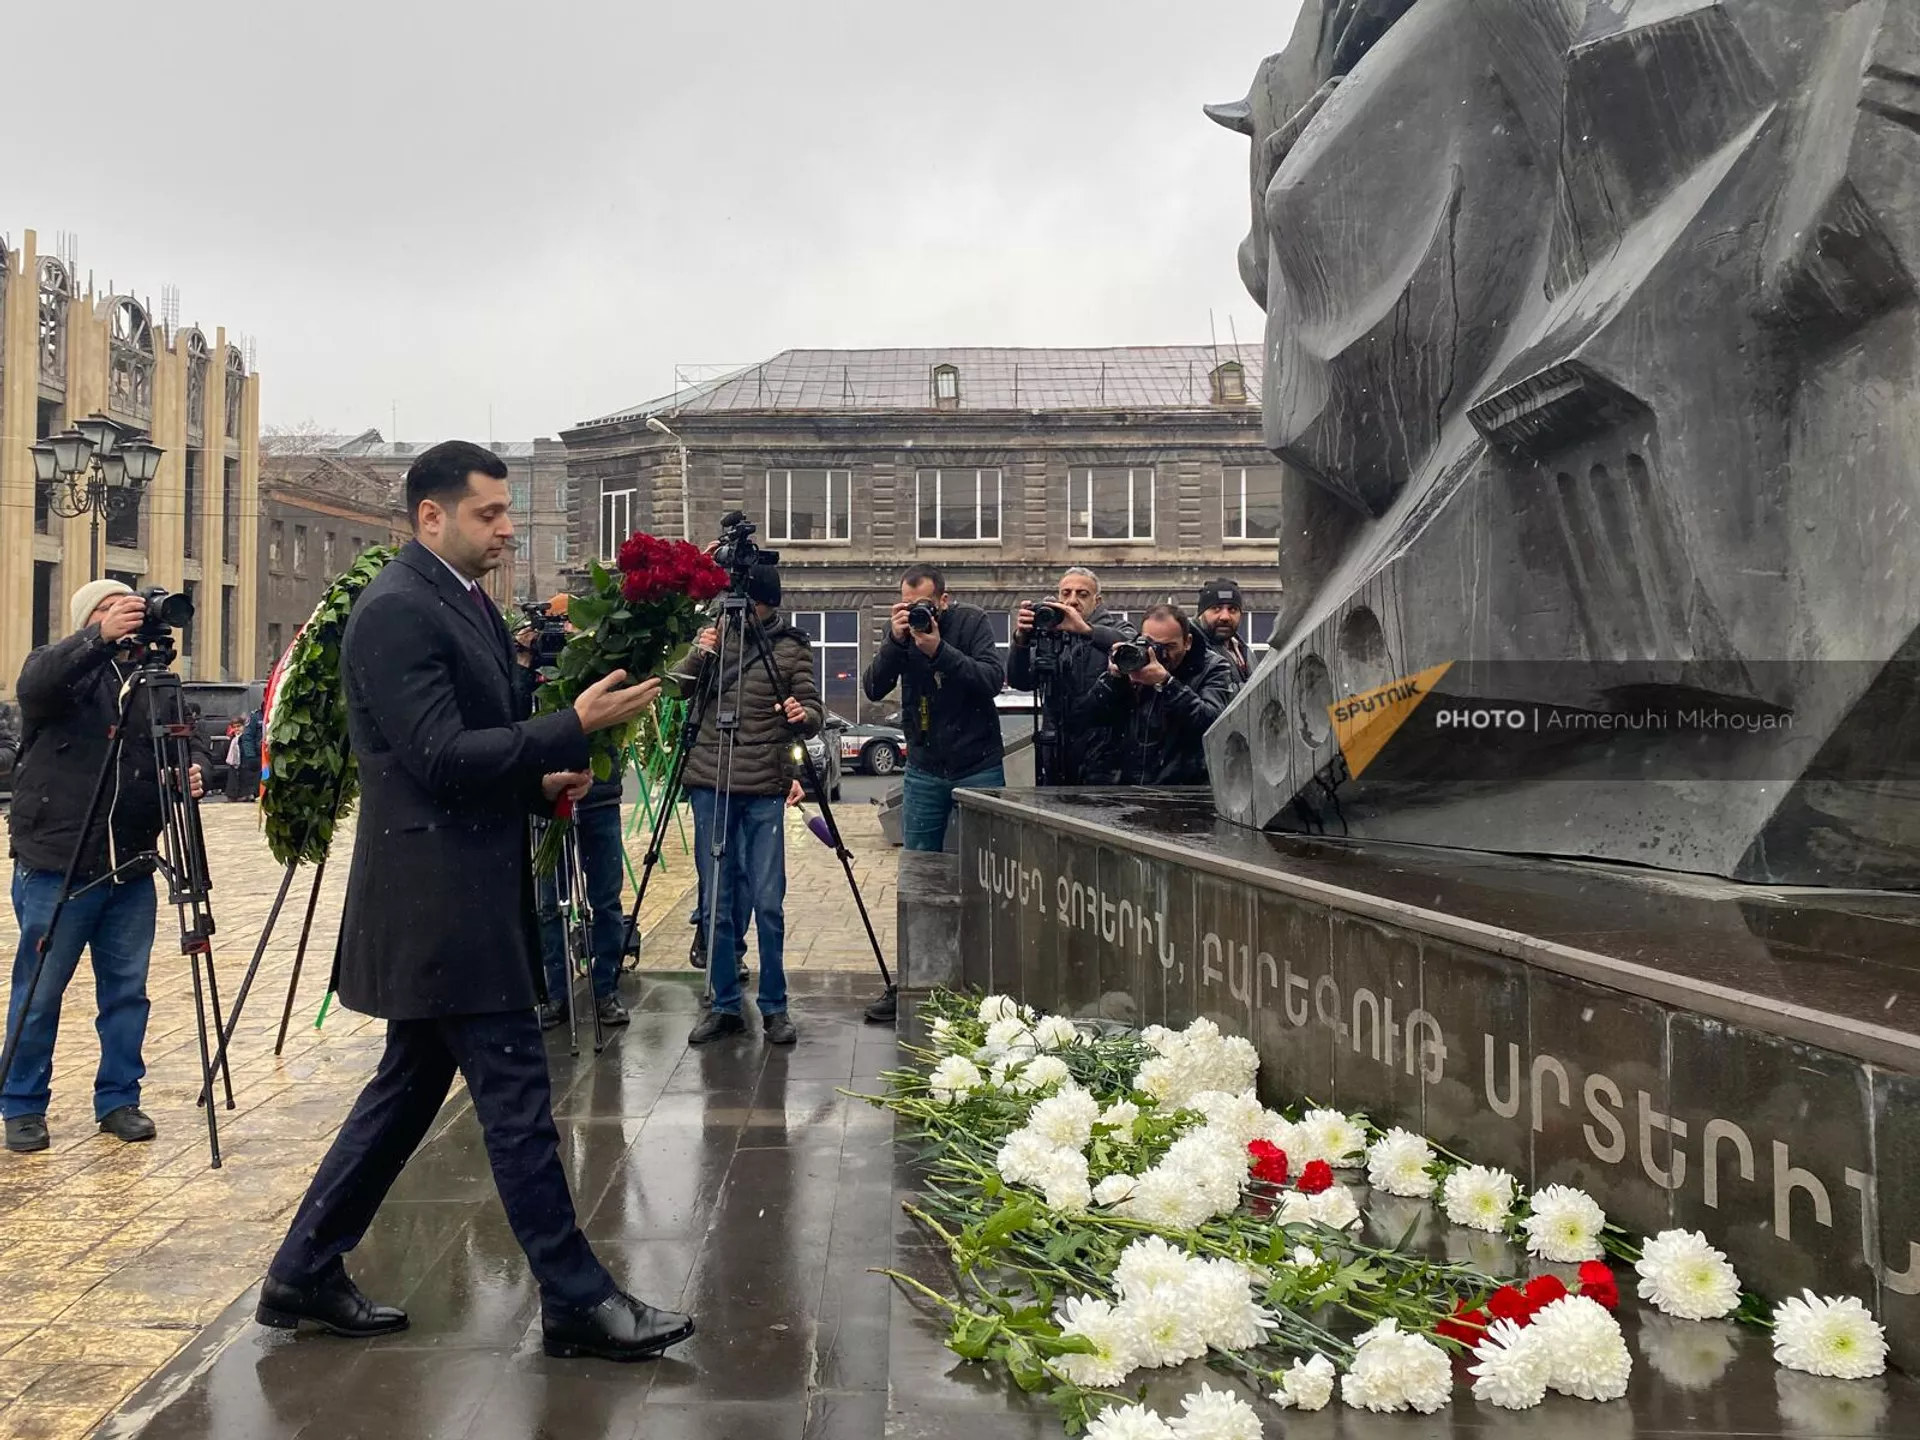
(299, 958)
(219, 1066)
(206, 1064)
(253, 969)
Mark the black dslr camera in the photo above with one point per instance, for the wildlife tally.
(550, 634)
(1048, 615)
(1049, 636)
(922, 617)
(165, 613)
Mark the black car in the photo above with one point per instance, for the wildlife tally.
(869, 748)
(219, 701)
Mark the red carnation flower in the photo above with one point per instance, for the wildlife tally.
(1316, 1177)
(1469, 1327)
(1597, 1284)
(1543, 1290)
(1268, 1161)
(1507, 1303)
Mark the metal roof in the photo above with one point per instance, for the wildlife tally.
(369, 445)
(1140, 377)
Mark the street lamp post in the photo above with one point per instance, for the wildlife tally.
(659, 427)
(97, 467)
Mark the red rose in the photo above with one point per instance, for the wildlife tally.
(1268, 1161)
(1507, 1303)
(1469, 1327)
(1597, 1284)
(1543, 1290)
(1316, 1177)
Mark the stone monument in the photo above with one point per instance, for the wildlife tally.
(1591, 344)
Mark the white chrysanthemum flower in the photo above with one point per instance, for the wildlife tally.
(1012, 1038)
(1166, 1327)
(1302, 1258)
(1686, 1353)
(941, 1033)
(998, 1007)
(1116, 1189)
(1160, 1078)
(1120, 1115)
(1234, 1064)
(1241, 1116)
(1331, 1136)
(1128, 1422)
(1056, 1032)
(1041, 1074)
(1308, 1385)
(1682, 1274)
(1159, 1039)
(1215, 1415)
(1065, 1120)
(953, 1079)
(1829, 1336)
(1200, 1029)
(1148, 1265)
(1024, 1158)
(1513, 1367)
(1111, 1333)
(1587, 1355)
(1479, 1197)
(1393, 1370)
(1063, 1181)
(1334, 1208)
(1565, 1225)
(1398, 1163)
(1230, 1317)
(1168, 1200)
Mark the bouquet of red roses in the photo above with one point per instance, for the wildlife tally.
(636, 617)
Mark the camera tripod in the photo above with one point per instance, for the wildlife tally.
(181, 858)
(740, 643)
(576, 918)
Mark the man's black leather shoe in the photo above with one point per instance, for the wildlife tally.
(129, 1123)
(335, 1304)
(777, 1029)
(885, 1010)
(715, 1024)
(550, 1016)
(27, 1133)
(611, 1011)
(618, 1328)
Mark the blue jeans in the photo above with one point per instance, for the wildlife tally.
(755, 867)
(926, 804)
(116, 922)
(603, 864)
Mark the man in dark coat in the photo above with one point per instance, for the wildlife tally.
(438, 933)
(1158, 713)
(1221, 610)
(1061, 663)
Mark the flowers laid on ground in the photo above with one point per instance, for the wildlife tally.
(1116, 1203)
(635, 617)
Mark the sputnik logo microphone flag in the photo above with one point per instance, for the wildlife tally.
(1364, 723)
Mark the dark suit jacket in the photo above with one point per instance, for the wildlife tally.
(439, 913)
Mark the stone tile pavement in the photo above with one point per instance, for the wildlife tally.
(112, 1257)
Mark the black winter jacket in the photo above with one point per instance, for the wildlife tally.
(69, 695)
(763, 745)
(1088, 753)
(946, 699)
(526, 680)
(1157, 734)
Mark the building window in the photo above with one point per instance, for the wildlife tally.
(560, 549)
(130, 361)
(326, 553)
(236, 392)
(1229, 384)
(616, 522)
(46, 422)
(229, 623)
(959, 504)
(42, 603)
(946, 387)
(122, 527)
(1110, 502)
(56, 294)
(299, 549)
(836, 657)
(190, 589)
(197, 362)
(275, 647)
(190, 537)
(521, 496)
(276, 544)
(230, 512)
(809, 505)
(1250, 502)
(562, 495)
(1001, 624)
(1256, 632)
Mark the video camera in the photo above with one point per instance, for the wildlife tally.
(738, 555)
(550, 634)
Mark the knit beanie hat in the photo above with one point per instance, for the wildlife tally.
(88, 597)
(763, 584)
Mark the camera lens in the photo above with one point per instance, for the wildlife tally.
(920, 618)
(1129, 658)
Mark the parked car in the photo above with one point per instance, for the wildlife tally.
(219, 702)
(825, 750)
(870, 747)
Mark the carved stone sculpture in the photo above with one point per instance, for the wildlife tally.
(1591, 339)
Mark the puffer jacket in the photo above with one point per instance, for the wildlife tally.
(763, 743)
(1157, 734)
(1088, 753)
(69, 702)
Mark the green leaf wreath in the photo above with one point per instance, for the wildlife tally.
(309, 780)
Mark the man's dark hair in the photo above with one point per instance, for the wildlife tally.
(1166, 612)
(440, 474)
(920, 574)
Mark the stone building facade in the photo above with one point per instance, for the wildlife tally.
(317, 513)
(1000, 467)
(66, 352)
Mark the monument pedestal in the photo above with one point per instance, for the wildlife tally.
(1736, 1059)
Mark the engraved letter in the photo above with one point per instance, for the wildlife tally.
(1266, 978)
(1239, 974)
(1508, 1108)
(1294, 1017)
(1650, 1121)
(1787, 1178)
(1614, 1150)
(1365, 997)
(1710, 1138)
(1426, 1047)
(1326, 1004)
(1210, 972)
(1546, 1065)
(1160, 929)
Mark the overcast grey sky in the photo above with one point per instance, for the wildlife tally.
(542, 208)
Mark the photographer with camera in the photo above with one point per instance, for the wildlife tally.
(1060, 651)
(740, 781)
(942, 656)
(69, 695)
(1158, 697)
